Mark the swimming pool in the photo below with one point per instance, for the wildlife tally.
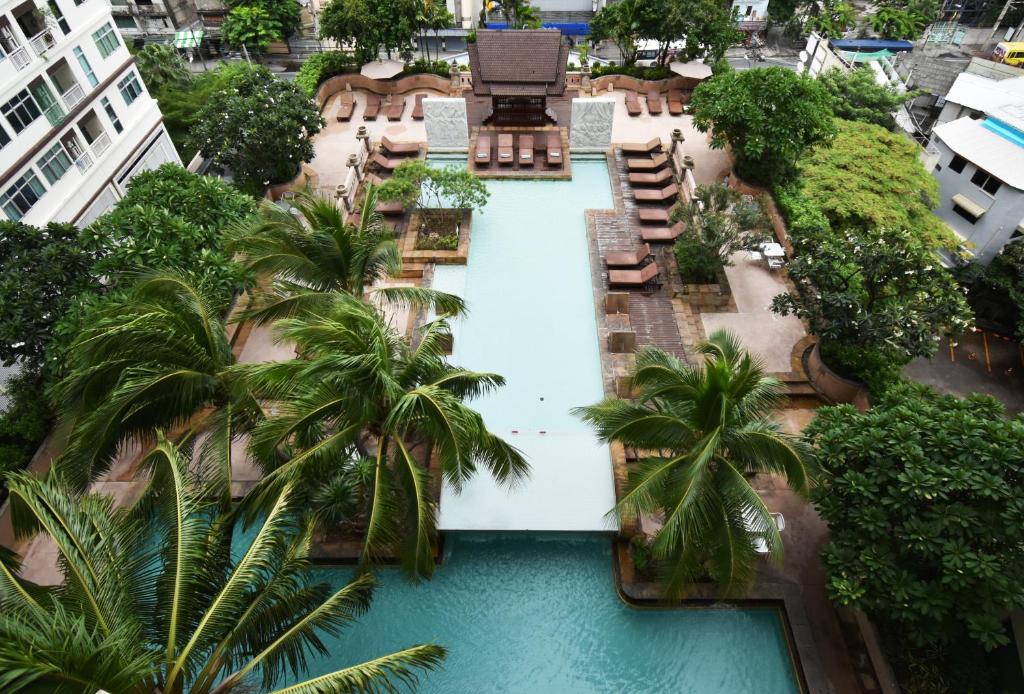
(532, 319)
(539, 614)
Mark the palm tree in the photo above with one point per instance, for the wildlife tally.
(520, 14)
(361, 396)
(154, 599)
(312, 252)
(709, 429)
(156, 358)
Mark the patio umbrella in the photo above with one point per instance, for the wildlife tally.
(382, 69)
(694, 69)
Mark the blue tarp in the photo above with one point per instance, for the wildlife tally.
(567, 28)
(860, 45)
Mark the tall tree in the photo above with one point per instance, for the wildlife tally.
(362, 392)
(618, 22)
(161, 66)
(154, 600)
(370, 26)
(251, 27)
(856, 95)
(707, 27)
(711, 431)
(520, 14)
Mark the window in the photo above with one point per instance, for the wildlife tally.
(125, 22)
(54, 163)
(4, 138)
(109, 108)
(59, 16)
(106, 39)
(129, 88)
(20, 197)
(986, 181)
(957, 163)
(86, 67)
(21, 110)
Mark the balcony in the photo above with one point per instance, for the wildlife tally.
(73, 96)
(54, 113)
(42, 42)
(20, 57)
(101, 144)
(84, 161)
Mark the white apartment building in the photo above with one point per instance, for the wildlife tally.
(76, 121)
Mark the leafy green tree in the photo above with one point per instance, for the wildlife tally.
(371, 25)
(660, 21)
(767, 116)
(831, 19)
(25, 421)
(258, 127)
(618, 22)
(251, 26)
(899, 23)
(857, 96)
(926, 521)
(161, 67)
(520, 14)
(996, 290)
(876, 298)
(362, 392)
(713, 233)
(433, 190)
(433, 16)
(153, 599)
(311, 253)
(867, 178)
(712, 429)
(286, 13)
(709, 28)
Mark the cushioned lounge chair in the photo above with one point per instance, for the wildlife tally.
(399, 148)
(662, 234)
(346, 105)
(656, 195)
(650, 179)
(627, 258)
(652, 146)
(553, 151)
(526, 150)
(654, 102)
(385, 163)
(675, 102)
(417, 109)
(482, 155)
(506, 155)
(653, 214)
(372, 107)
(648, 274)
(644, 164)
(633, 104)
(396, 107)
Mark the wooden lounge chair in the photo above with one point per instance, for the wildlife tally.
(650, 179)
(396, 107)
(399, 149)
(652, 146)
(526, 150)
(372, 107)
(675, 102)
(385, 163)
(648, 274)
(633, 104)
(653, 214)
(505, 151)
(391, 207)
(627, 258)
(417, 109)
(553, 152)
(655, 195)
(482, 156)
(662, 234)
(643, 164)
(654, 102)
(346, 105)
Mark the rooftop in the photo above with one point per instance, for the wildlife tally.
(986, 147)
(527, 62)
(985, 94)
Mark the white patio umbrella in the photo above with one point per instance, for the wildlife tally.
(694, 69)
(382, 69)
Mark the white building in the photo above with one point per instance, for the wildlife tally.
(76, 121)
(751, 15)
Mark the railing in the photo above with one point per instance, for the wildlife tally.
(20, 57)
(42, 42)
(54, 113)
(73, 96)
(752, 24)
(84, 162)
(100, 145)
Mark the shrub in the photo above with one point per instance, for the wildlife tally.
(437, 242)
(321, 66)
(640, 73)
(431, 188)
(426, 67)
(713, 233)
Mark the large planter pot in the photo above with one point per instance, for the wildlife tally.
(833, 386)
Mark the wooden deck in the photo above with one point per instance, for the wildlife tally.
(539, 170)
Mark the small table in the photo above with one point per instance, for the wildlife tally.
(773, 250)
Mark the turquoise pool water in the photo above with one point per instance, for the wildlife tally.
(532, 319)
(539, 615)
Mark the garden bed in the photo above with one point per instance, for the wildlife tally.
(416, 243)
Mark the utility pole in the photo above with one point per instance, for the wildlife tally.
(999, 19)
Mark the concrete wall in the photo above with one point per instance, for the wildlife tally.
(1004, 211)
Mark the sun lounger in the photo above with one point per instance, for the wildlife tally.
(417, 109)
(526, 150)
(482, 156)
(399, 148)
(346, 105)
(655, 195)
(648, 274)
(372, 107)
(382, 162)
(633, 104)
(654, 102)
(643, 164)
(553, 152)
(653, 214)
(652, 146)
(396, 107)
(662, 234)
(650, 179)
(394, 207)
(505, 151)
(675, 102)
(627, 258)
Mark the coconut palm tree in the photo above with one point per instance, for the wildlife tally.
(312, 252)
(154, 599)
(520, 14)
(155, 358)
(709, 430)
(362, 396)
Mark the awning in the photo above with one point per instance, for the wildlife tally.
(382, 69)
(967, 205)
(567, 28)
(187, 38)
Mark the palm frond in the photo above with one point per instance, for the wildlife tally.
(377, 675)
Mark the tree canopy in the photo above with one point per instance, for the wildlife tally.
(251, 26)
(767, 116)
(857, 96)
(369, 26)
(922, 497)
